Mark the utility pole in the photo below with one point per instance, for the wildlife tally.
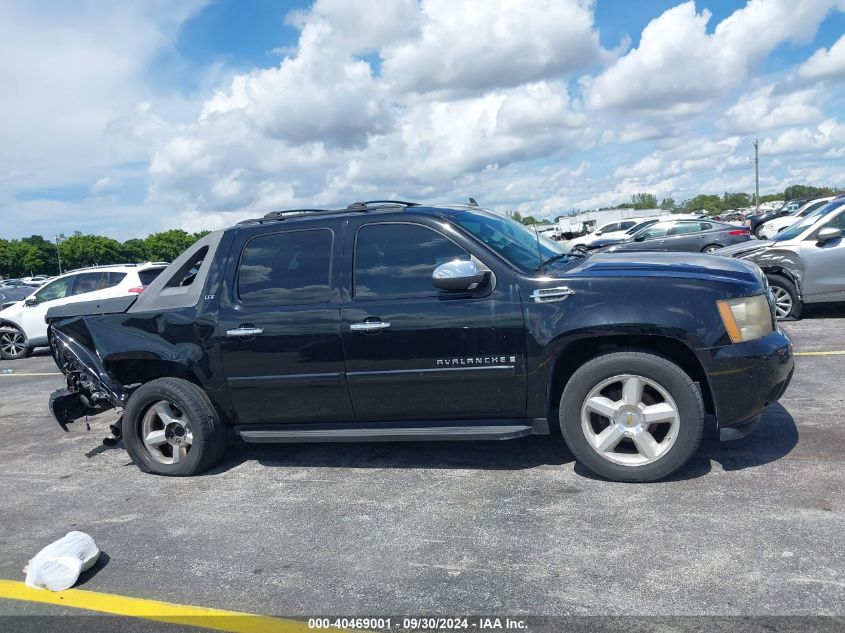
(757, 173)
(59, 254)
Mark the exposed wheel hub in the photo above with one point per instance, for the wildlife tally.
(176, 434)
(166, 433)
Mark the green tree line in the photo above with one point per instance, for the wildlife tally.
(715, 204)
(35, 255)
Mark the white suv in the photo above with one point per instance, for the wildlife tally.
(22, 326)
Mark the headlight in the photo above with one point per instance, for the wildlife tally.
(746, 318)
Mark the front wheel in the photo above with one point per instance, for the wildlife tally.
(171, 428)
(13, 343)
(787, 303)
(631, 416)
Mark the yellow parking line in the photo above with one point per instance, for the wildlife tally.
(44, 373)
(170, 613)
(836, 353)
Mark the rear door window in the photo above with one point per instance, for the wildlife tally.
(290, 268)
(115, 278)
(90, 282)
(684, 228)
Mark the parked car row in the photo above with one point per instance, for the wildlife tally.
(801, 248)
(22, 325)
(702, 236)
(774, 225)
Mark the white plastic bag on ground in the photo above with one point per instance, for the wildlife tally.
(57, 566)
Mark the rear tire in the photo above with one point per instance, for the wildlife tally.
(788, 305)
(710, 248)
(171, 428)
(13, 344)
(652, 419)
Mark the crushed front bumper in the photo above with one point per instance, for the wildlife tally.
(745, 378)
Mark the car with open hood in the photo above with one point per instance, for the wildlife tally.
(401, 321)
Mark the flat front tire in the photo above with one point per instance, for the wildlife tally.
(631, 416)
(171, 428)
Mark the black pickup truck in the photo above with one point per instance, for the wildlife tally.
(399, 321)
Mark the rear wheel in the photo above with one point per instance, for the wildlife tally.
(787, 303)
(631, 416)
(711, 248)
(13, 343)
(171, 428)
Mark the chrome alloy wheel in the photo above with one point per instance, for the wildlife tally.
(630, 420)
(783, 302)
(12, 343)
(166, 433)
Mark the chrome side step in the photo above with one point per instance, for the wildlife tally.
(384, 433)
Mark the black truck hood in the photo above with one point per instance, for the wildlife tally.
(643, 264)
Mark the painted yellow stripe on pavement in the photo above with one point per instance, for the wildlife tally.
(215, 619)
(44, 373)
(836, 353)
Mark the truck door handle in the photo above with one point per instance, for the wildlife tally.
(245, 330)
(370, 326)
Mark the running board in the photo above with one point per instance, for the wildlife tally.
(392, 433)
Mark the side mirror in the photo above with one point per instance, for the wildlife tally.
(599, 233)
(828, 233)
(458, 275)
(639, 238)
(30, 301)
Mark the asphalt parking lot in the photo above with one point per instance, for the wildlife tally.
(752, 527)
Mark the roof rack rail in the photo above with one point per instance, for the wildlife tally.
(355, 206)
(280, 215)
(363, 206)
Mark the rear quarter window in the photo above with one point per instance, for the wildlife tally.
(147, 276)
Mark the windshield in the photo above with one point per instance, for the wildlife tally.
(807, 221)
(514, 241)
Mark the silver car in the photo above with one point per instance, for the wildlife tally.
(805, 263)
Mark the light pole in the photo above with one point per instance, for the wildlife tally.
(59, 254)
(756, 174)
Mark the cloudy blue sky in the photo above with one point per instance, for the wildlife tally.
(125, 118)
